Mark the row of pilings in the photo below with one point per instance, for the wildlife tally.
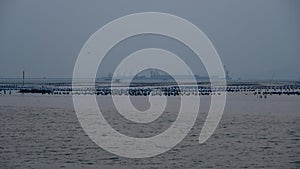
(154, 91)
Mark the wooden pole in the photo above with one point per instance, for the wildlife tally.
(23, 77)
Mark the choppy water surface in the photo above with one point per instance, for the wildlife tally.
(44, 132)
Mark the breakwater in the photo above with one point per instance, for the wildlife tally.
(169, 90)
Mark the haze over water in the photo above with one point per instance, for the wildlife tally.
(245, 53)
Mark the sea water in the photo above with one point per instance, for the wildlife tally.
(41, 131)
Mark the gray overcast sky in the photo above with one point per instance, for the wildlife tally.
(255, 39)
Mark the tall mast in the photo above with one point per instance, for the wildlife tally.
(23, 77)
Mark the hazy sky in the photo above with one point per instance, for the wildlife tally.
(255, 39)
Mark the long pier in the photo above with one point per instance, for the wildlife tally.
(154, 90)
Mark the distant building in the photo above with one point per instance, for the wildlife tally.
(227, 73)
